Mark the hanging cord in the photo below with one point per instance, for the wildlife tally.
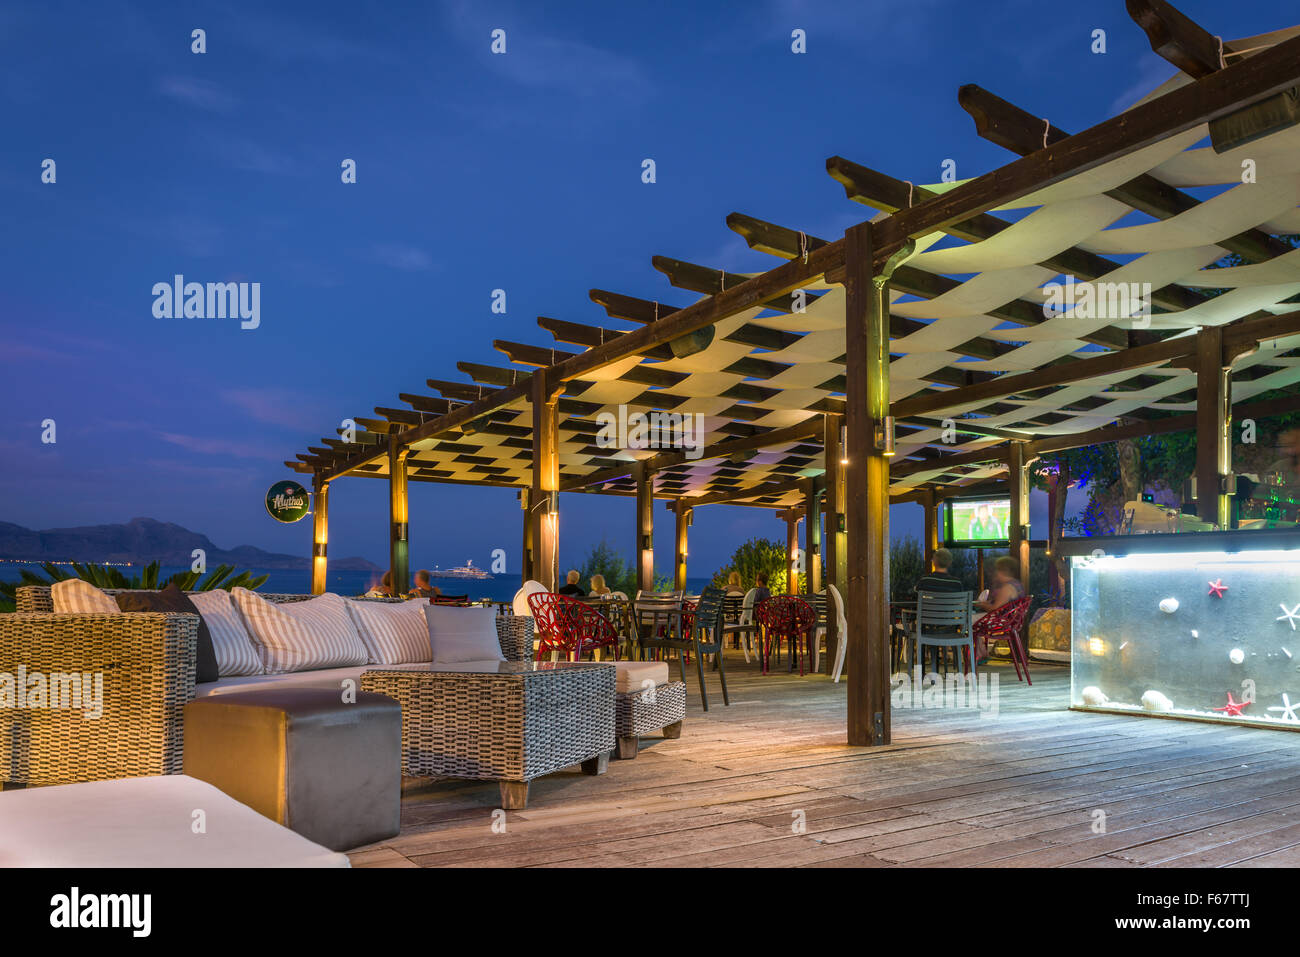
(1047, 125)
(803, 246)
(1221, 61)
(724, 281)
(910, 189)
(656, 310)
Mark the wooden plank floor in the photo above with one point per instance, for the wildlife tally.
(770, 782)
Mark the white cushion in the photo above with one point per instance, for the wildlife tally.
(633, 675)
(521, 597)
(77, 597)
(331, 678)
(146, 822)
(301, 635)
(393, 634)
(462, 634)
(236, 653)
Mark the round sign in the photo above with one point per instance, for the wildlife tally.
(287, 501)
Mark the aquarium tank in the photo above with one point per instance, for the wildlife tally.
(1204, 635)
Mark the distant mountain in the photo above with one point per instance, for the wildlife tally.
(144, 540)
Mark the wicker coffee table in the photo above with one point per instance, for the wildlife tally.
(505, 721)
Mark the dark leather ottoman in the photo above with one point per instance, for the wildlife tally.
(328, 770)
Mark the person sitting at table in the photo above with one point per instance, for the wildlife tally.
(384, 589)
(571, 586)
(424, 588)
(733, 584)
(1006, 589)
(598, 586)
(762, 593)
(940, 580)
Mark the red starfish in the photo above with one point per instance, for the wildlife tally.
(1217, 588)
(1233, 708)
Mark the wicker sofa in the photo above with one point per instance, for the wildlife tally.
(147, 663)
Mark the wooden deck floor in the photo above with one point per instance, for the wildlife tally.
(1023, 789)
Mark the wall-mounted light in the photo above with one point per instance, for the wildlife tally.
(645, 542)
(318, 550)
(883, 430)
(844, 445)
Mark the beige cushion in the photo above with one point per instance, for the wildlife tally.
(332, 678)
(77, 597)
(301, 635)
(236, 653)
(633, 675)
(462, 634)
(393, 634)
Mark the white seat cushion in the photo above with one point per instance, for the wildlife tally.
(236, 653)
(301, 635)
(462, 634)
(146, 822)
(633, 675)
(331, 678)
(77, 597)
(393, 634)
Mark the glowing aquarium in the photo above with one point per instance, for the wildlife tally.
(1199, 626)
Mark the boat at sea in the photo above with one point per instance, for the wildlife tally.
(465, 571)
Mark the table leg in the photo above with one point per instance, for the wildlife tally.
(514, 795)
(597, 765)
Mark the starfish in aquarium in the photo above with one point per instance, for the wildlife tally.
(1288, 711)
(1233, 708)
(1289, 616)
(1217, 588)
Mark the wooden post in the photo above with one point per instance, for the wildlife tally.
(645, 527)
(1213, 425)
(867, 406)
(543, 507)
(320, 533)
(836, 540)
(398, 516)
(812, 535)
(683, 512)
(791, 517)
(1018, 530)
(931, 505)
(526, 554)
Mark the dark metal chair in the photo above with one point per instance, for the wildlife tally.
(703, 637)
(943, 620)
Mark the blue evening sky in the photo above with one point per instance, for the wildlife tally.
(475, 172)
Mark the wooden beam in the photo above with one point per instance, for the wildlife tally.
(398, 519)
(867, 402)
(543, 509)
(752, 491)
(1219, 94)
(320, 534)
(1177, 38)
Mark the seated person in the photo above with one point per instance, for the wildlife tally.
(763, 593)
(384, 589)
(940, 580)
(423, 586)
(1006, 589)
(598, 586)
(733, 584)
(571, 586)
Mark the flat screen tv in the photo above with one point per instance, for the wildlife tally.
(977, 522)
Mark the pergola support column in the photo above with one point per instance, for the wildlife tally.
(931, 505)
(812, 535)
(1213, 425)
(645, 527)
(867, 411)
(526, 550)
(683, 514)
(319, 533)
(398, 519)
(543, 500)
(836, 539)
(791, 518)
(1018, 525)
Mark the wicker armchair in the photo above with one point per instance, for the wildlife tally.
(145, 661)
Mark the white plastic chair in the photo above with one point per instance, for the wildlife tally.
(521, 597)
(841, 629)
(747, 621)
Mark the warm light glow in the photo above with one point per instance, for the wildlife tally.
(844, 461)
(1097, 646)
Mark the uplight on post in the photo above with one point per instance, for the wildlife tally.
(844, 445)
(884, 435)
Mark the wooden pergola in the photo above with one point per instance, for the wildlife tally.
(831, 382)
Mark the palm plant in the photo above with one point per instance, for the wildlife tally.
(106, 576)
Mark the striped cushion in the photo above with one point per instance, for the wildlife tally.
(393, 634)
(301, 635)
(236, 653)
(76, 597)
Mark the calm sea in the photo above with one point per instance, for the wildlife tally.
(298, 582)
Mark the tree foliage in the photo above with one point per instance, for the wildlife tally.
(620, 574)
(758, 555)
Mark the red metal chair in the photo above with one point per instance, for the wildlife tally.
(785, 617)
(569, 627)
(1005, 624)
